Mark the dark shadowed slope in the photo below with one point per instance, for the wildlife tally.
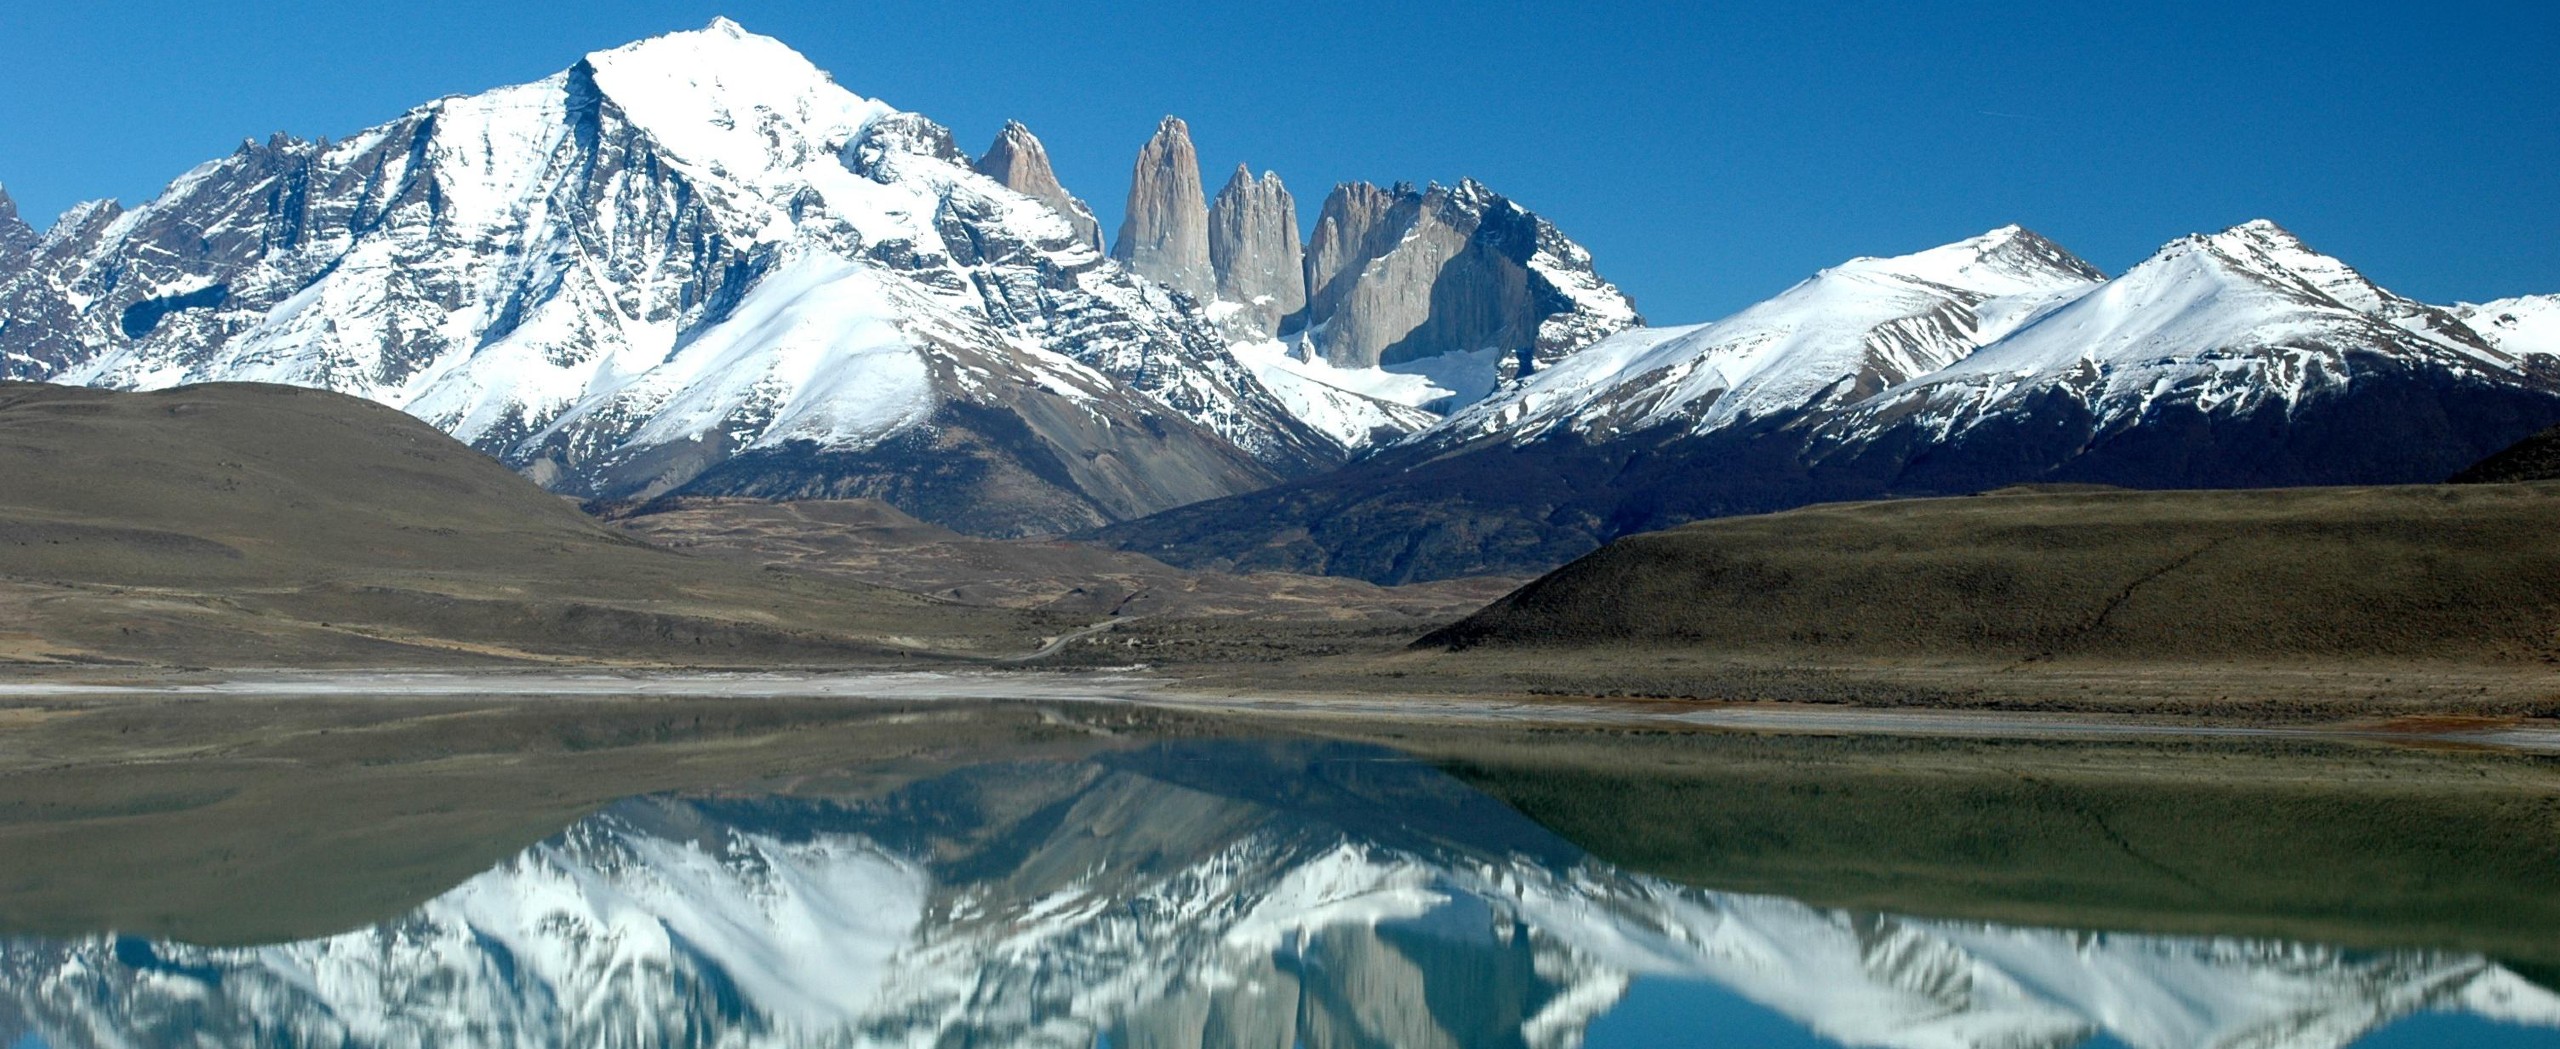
(2414, 573)
(868, 541)
(253, 524)
(2536, 458)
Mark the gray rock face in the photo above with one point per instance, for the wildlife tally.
(1165, 236)
(1343, 242)
(1400, 275)
(1253, 246)
(16, 238)
(1018, 160)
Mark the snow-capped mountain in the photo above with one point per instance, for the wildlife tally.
(2226, 359)
(1197, 895)
(690, 261)
(1846, 334)
(2236, 359)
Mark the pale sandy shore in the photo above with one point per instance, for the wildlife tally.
(2528, 735)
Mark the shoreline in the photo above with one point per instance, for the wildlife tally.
(1134, 687)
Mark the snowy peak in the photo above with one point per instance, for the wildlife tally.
(747, 107)
(2004, 261)
(2246, 324)
(1845, 333)
(2252, 289)
(2261, 250)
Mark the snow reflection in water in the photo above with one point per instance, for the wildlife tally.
(1196, 895)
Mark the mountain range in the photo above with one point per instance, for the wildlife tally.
(696, 266)
(1196, 895)
(2230, 360)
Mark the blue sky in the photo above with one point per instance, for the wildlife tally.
(1709, 154)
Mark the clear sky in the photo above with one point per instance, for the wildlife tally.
(1709, 154)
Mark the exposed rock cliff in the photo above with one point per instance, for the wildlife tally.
(1253, 246)
(1165, 235)
(1354, 214)
(1018, 160)
(1396, 276)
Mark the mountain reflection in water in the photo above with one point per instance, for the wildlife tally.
(1202, 894)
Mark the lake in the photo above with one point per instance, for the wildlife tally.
(1449, 889)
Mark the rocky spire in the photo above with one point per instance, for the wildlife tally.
(1165, 235)
(1253, 246)
(1019, 161)
(16, 237)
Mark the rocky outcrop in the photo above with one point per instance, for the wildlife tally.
(16, 237)
(1018, 160)
(1399, 275)
(1253, 246)
(1165, 235)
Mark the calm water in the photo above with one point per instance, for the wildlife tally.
(1201, 894)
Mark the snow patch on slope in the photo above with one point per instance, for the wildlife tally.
(2526, 326)
(813, 353)
(1354, 406)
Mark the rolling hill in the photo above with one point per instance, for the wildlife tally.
(2460, 574)
(244, 524)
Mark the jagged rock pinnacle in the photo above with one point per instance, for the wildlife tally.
(1254, 248)
(1018, 160)
(1165, 236)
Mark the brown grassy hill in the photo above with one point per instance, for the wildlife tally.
(2439, 573)
(2536, 458)
(241, 524)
